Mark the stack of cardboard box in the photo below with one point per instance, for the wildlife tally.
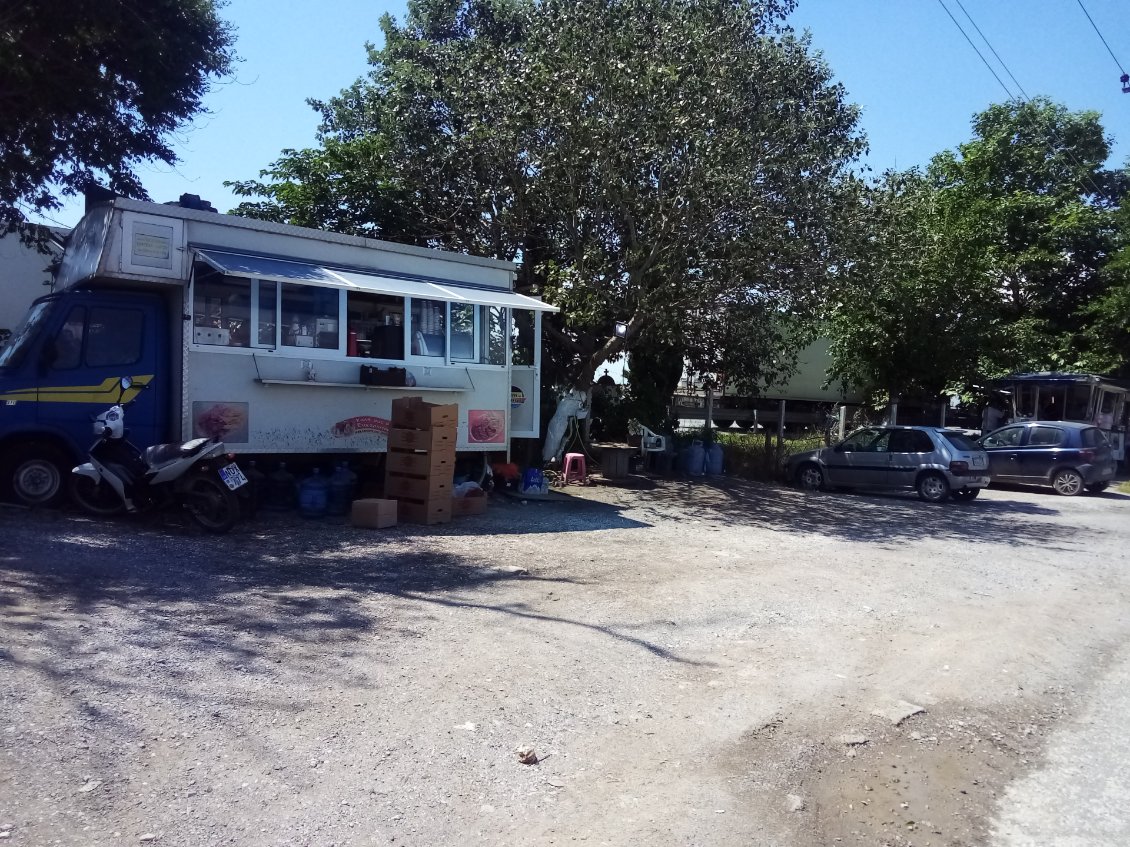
(420, 465)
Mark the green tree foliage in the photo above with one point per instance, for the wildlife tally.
(1038, 205)
(89, 90)
(1106, 339)
(915, 305)
(989, 262)
(645, 161)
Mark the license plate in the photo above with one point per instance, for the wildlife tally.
(978, 461)
(232, 476)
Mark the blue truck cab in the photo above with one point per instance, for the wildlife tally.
(62, 368)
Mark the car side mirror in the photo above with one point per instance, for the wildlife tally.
(842, 448)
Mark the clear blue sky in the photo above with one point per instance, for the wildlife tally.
(904, 61)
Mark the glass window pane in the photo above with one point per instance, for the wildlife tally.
(310, 316)
(429, 330)
(1007, 437)
(1045, 436)
(68, 343)
(463, 332)
(960, 441)
(268, 314)
(114, 337)
(376, 326)
(494, 338)
(522, 338)
(221, 308)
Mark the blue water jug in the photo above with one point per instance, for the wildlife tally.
(343, 483)
(714, 460)
(281, 490)
(693, 459)
(313, 495)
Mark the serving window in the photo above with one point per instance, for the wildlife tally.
(236, 311)
(376, 325)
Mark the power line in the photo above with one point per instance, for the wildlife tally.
(1100, 35)
(977, 50)
(995, 53)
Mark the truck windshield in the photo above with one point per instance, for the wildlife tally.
(12, 355)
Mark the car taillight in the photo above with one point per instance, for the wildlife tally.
(959, 467)
(1086, 455)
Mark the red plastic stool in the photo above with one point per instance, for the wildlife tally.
(575, 466)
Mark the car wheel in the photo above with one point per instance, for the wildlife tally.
(37, 475)
(810, 477)
(963, 495)
(933, 488)
(1097, 487)
(1067, 482)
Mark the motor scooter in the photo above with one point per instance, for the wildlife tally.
(120, 477)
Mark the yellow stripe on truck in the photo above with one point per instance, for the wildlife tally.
(101, 393)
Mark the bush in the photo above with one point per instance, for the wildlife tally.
(747, 456)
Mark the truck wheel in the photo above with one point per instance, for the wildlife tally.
(97, 498)
(213, 505)
(37, 474)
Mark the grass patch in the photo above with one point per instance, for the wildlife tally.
(1124, 487)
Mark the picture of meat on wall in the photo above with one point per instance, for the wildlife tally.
(223, 421)
(486, 426)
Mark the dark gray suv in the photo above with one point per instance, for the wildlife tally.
(938, 463)
(1070, 457)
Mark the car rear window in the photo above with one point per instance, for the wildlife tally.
(1094, 438)
(961, 441)
(1045, 436)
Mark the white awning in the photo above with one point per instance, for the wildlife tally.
(286, 270)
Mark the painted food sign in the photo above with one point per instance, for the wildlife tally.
(486, 426)
(361, 423)
(223, 421)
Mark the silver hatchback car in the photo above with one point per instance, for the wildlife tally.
(937, 463)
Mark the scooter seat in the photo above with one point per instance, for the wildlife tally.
(160, 454)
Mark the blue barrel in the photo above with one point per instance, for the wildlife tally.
(692, 460)
(714, 460)
(313, 495)
(342, 485)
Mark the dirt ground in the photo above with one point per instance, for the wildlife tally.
(694, 663)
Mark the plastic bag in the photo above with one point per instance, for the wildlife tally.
(534, 482)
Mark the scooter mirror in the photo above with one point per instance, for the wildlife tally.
(125, 382)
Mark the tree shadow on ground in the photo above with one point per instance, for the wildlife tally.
(175, 602)
(878, 518)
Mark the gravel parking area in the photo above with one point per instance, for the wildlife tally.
(692, 662)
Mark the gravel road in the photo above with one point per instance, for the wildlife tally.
(693, 663)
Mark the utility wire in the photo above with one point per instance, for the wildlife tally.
(995, 53)
(977, 50)
(1025, 98)
(1100, 35)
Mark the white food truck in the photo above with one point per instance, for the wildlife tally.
(275, 338)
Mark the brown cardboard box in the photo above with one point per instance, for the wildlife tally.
(433, 440)
(374, 514)
(468, 506)
(417, 488)
(415, 413)
(436, 511)
(436, 463)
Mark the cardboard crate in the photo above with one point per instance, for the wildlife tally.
(417, 488)
(434, 463)
(437, 511)
(433, 440)
(468, 506)
(415, 413)
(373, 513)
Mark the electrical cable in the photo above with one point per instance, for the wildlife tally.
(989, 44)
(1025, 98)
(977, 50)
(1100, 35)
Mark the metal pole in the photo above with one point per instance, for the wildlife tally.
(709, 406)
(780, 425)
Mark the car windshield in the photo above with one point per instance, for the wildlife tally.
(12, 355)
(861, 440)
(961, 441)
